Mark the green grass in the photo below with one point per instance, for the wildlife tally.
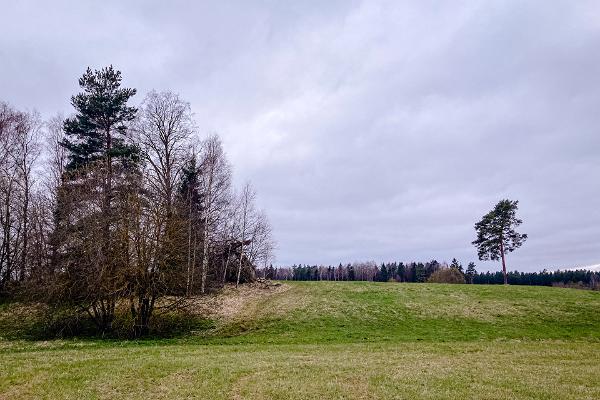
(318, 312)
(327, 340)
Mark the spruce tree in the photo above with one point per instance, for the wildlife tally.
(384, 276)
(456, 265)
(471, 272)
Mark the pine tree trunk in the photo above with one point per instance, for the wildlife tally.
(503, 261)
(106, 214)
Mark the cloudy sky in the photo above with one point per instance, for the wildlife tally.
(371, 130)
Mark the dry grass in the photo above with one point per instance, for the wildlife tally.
(232, 303)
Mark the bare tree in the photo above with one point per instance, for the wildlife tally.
(56, 154)
(28, 151)
(164, 126)
(246, 208)
(19, 151)
(261, 246)
(228, 234)
(216, 188)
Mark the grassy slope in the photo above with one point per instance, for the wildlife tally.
(342, 340)
(318, 312)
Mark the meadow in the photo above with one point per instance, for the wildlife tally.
(331, 340)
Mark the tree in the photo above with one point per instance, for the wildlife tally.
(19, 152)
(496, 234)
(164, 126)
(247, 207)
(471, 272)
(456, 265)
(117, 207)
(383, 273)
(216, 195)
(92, 212)
(97, 131)
(190, 201)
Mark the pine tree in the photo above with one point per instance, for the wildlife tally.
(496, 233)
(96, 191)
(97, 131)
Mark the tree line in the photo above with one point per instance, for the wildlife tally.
(432, 271)
(121, 204)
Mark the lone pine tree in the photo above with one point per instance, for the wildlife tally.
(496, 233)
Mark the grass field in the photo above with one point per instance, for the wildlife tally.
(327, 340)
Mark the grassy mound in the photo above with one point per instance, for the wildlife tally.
(342, 312)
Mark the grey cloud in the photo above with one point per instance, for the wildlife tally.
(372, 130)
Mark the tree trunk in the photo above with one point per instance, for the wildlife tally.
(226, 263)
(503, 261)
(189, 256)
(142, 317)
(237, 282)
(246, 199)
(194, 260)
(23, 268)
(205, 238)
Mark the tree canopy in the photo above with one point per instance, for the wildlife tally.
(101, 112)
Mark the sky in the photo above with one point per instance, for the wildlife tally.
(371, 130)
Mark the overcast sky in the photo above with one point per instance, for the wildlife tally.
(371, 130)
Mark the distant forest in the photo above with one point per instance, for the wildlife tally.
(431, 271)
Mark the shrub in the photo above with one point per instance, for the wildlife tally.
(447, 275)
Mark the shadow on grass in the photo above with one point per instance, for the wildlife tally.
(35, 322)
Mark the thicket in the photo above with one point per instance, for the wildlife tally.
(120, 207)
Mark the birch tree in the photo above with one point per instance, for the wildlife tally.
(19, 152)
(246, 208)
(216, 184)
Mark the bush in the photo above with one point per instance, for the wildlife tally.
(38, 321)
(447, 275)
